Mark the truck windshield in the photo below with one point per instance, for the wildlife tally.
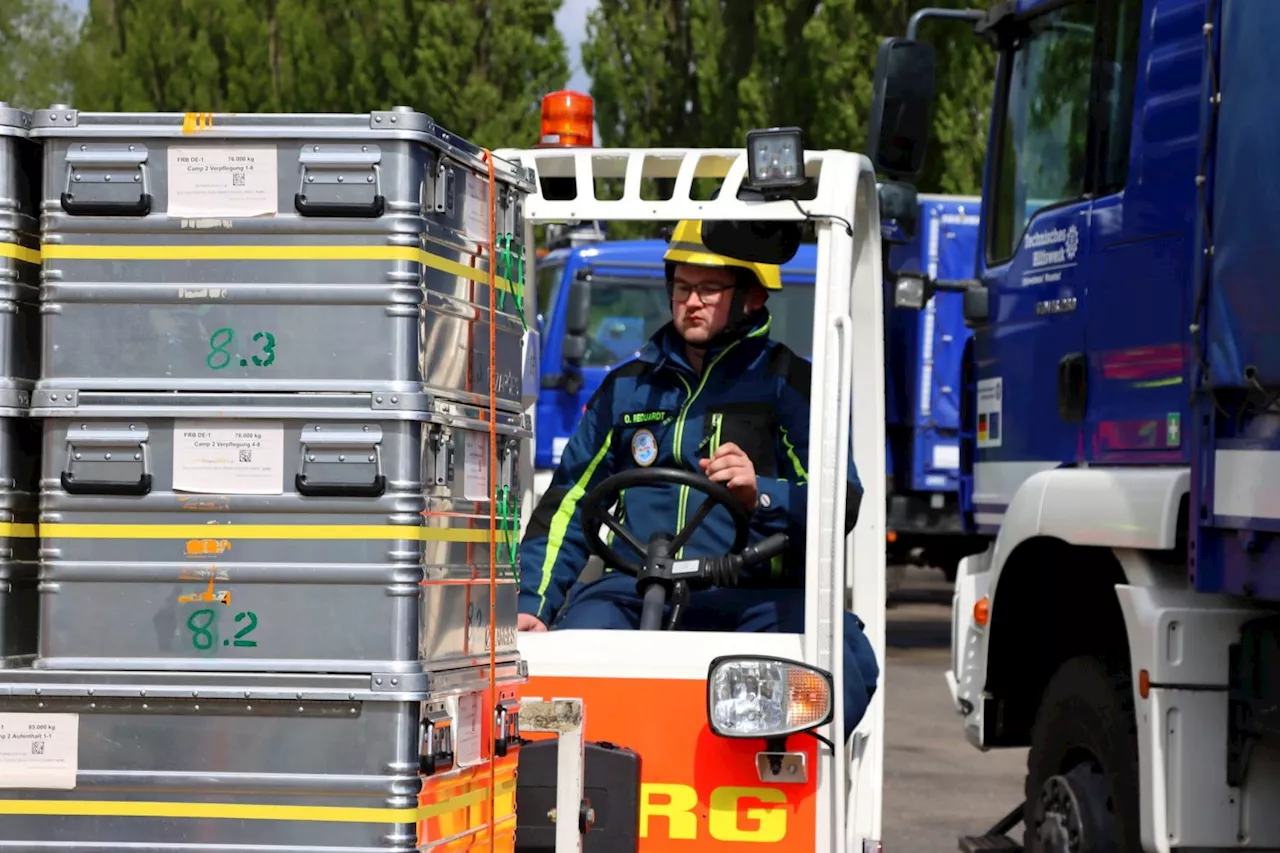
(625, 312)
(548, 285)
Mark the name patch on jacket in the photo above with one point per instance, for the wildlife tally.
(644, 417)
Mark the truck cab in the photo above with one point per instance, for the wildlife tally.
(1122, 418)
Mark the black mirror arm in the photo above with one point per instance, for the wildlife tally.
(921, 15)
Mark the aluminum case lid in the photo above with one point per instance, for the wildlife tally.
(61, 121)
(14, 121)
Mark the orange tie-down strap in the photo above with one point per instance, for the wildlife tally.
(493, 502)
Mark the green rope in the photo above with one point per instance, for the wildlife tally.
(508, 513)
(512, 262)
(504, 268)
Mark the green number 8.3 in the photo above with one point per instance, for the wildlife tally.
(219, 357)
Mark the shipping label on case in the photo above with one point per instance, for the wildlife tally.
(475, 467)
(477, 208)
(39, 750)
(228, 457)
(467, 730)
(215, 181)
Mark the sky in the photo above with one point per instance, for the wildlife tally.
(571, 20)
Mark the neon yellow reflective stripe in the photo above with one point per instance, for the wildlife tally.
(791, 454)
(564, 514)
(622, 519)
(684, 490)
(676, 452)
(411, 254)
(679, 453)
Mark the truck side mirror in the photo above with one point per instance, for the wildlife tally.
(899, 211)
(577, 318)
(902, 95)
(912, 290)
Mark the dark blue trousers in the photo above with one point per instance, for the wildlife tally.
(612, 603)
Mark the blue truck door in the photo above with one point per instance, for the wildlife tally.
(1142, 221)
(1035, 239)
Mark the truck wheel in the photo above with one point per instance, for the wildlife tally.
(1082, 769)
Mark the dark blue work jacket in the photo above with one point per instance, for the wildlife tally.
(656, 410)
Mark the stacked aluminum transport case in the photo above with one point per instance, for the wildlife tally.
(19, 366)
(264, 409)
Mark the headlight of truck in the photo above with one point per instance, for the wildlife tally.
(749, 696)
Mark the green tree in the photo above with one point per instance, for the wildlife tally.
(639, 55)
(36, 41)
(478, 67)
(962, 111)
(484, 65)
(703, 72)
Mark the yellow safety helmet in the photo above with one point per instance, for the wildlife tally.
(687, 248)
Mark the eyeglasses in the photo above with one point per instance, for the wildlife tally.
(708, 293)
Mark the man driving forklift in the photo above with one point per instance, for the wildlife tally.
(711, 392)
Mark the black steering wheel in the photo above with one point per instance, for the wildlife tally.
(658, 577)
(596, 504)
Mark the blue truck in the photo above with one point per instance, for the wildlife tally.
(923, 393)
(1121, 427)
(598, 300)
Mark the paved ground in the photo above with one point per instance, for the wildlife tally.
(937, 786)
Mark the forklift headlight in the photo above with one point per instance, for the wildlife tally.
(775, 158)
(750, 696)
(909, 291)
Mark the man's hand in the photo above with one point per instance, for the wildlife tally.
(529, 622)
(729, 465)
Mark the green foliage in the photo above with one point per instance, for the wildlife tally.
(664, 72)
(478, 67)
(703, 72)
(37, 38)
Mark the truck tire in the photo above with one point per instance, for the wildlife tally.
(1082, 768)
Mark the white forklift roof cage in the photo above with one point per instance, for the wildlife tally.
(848, 367)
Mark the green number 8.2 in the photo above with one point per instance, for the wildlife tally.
(201, 637)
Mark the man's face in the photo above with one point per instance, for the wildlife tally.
(701, 300)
